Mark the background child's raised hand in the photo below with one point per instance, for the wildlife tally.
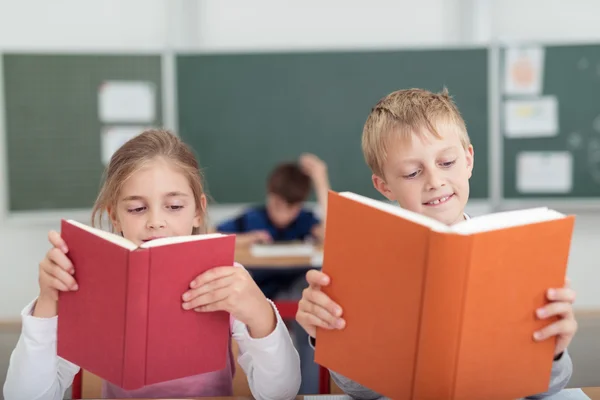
(55, 273)
(316, 308)
(313, 166)
(232, 289)
(561, 305)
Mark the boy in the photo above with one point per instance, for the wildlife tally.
(417, 146)
(283, 217)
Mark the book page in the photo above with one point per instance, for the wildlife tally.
(506, 219)
(399, 211)
(111, 237)
(179, 239)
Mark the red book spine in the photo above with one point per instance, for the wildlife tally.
(136, 320)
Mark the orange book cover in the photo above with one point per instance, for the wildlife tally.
(439, 312)
(126, 324)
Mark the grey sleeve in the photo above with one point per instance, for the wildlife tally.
(353, 389)
(561, 373)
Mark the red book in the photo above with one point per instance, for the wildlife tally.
(126, 323)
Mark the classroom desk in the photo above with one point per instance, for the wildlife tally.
(592, 392)
(244, 256)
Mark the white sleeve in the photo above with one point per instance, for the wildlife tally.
(271, 364)
(35, 372)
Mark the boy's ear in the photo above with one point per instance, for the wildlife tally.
(382, 187)
(200, 212)
(470, 159)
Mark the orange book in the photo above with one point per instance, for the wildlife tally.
(441, 312)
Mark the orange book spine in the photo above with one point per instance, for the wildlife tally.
(444, 291)
(136, 320)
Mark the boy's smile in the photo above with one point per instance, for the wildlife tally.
(428, 175)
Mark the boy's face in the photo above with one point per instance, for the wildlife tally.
(280, 211)
(428, 175)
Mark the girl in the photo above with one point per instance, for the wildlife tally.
(153, 188)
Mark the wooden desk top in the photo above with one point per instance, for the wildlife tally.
(244, 256)
(592, 392)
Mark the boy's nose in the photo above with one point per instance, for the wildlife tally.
(434, 181)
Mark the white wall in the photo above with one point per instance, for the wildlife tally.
(227, 25)
(546, 20)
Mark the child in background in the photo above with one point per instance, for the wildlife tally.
(417, 146)
(284, 218)
(153, 188)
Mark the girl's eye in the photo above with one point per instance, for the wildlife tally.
(136, 210)
(175, 208)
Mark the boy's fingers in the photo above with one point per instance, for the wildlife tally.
(562, 294)
(567, 283)
(322, 300)
(322, 313)
(57, 241)
(312, 320)
(316, 278)
(555, 308)
(562, 327)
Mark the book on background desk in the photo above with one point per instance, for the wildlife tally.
(126, 323)
(282, 250)
(437, 311)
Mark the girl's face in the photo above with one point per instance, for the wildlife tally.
(156, 201)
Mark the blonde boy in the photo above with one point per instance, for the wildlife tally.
(417, 146)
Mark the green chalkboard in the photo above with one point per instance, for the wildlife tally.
(52, 124)
(572, 74)
(244, 113)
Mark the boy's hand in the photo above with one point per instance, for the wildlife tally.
(316, 308)
(314, 167)
(232, 289)
(562, 306)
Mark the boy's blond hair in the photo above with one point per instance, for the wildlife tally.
(407, 113)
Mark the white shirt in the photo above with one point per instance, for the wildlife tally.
(35, 372)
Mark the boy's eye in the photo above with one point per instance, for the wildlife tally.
(175, 207)
(136, 210)
(448, 163)
(413, 175)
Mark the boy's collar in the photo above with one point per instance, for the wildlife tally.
(466, 216)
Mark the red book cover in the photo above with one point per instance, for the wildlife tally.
(126, 324)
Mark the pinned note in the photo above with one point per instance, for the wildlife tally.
(531, 118)
(523, 71)
(545, 172)
(115, 137)
(127, 102)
